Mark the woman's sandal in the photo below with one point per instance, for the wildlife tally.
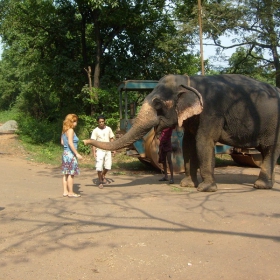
(65, 194)
(74, 195)
(100, 186)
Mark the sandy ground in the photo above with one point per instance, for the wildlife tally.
(134, 228)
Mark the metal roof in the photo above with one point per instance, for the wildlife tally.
(137, 85)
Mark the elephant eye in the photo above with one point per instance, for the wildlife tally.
(157, 104)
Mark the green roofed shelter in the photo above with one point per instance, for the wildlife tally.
(133, 85)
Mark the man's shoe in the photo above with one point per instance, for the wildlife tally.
(163, 179)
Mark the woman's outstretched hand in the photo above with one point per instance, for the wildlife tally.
(78, 156)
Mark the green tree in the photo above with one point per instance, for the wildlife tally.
(45, 53)
(9, 83)
(253, 24)
(242, 63)
(132, 39)
(49, 48)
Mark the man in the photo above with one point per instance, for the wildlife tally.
(165, 151)
(103, 158)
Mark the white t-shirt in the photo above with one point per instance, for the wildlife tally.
(102, 135)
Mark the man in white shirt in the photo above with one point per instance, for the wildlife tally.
(103, 158)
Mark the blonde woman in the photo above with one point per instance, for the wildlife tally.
(69, 141)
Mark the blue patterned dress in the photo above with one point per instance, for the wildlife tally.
(69, 161)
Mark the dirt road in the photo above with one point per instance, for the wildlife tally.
(136, 227)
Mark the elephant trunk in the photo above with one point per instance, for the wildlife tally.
(142, 124)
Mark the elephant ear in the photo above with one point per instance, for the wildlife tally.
(189, 103)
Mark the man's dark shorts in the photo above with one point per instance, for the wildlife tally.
(164, 148)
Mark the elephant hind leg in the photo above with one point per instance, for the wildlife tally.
(263, 183)
(266, 176)
(190, 161)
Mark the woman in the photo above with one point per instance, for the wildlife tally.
(70, 168)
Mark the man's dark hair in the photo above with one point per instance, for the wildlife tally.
(100, 117)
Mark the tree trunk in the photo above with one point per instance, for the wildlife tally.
(98, 55)
(84, 48)
(90, 89)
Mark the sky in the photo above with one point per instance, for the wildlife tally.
(210, 51)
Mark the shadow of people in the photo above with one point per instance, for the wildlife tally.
(76, 188)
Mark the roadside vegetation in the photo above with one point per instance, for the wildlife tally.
(50, 152)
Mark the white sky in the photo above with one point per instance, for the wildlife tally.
(209, 52)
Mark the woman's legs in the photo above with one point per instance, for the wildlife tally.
(68, 182)
(64, 184)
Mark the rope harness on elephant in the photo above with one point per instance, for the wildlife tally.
(195, 92)
(192, 89)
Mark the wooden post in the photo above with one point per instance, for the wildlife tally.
(200, 36)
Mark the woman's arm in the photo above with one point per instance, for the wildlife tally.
(70, 136)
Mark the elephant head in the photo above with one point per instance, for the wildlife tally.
(171, 102)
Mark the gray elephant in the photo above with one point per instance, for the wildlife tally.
(231, 109)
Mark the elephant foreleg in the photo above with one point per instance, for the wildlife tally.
(190, 161)
(206, 156)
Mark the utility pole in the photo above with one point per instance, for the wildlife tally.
(200, 36)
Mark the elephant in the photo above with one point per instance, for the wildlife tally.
(232, 109)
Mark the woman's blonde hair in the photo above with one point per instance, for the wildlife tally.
(69, 122)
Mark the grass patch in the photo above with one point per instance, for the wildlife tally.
(176, 189)
(45, 153)
(8, 115)
(123, 162)
(50, 153)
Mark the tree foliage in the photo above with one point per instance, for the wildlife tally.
(49, 45)
(242, 63)
(252, 24)
(45, 52)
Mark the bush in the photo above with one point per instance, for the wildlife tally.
(38, 132)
